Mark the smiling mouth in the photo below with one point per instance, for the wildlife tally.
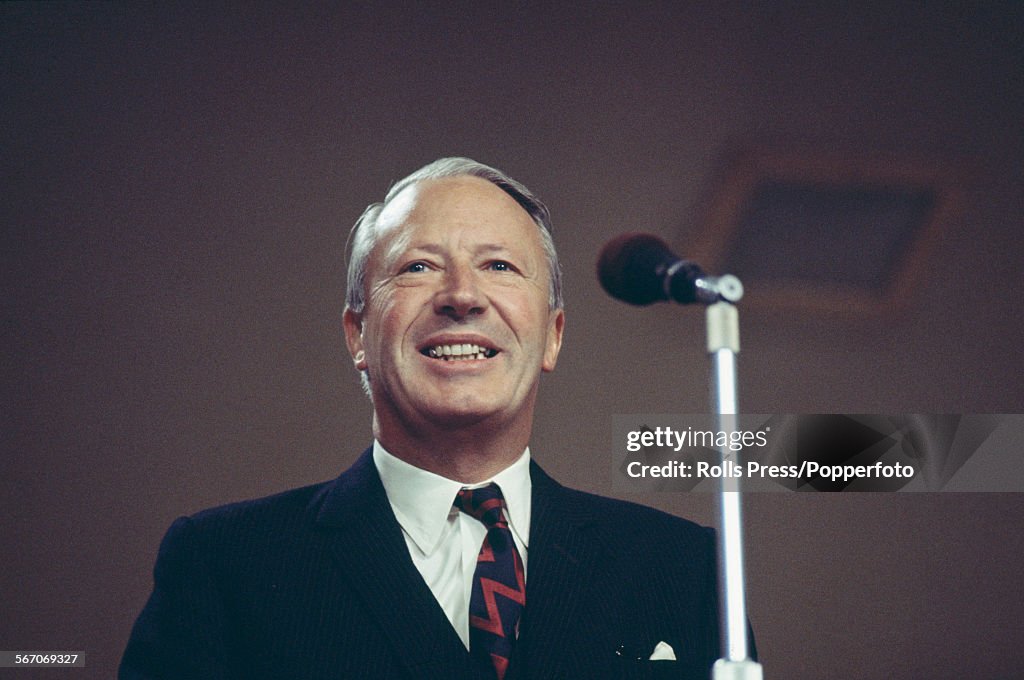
(459, 352)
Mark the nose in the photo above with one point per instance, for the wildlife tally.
(460, 294)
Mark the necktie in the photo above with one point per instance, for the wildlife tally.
(499, 583)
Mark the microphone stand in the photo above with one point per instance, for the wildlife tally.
(723, 340)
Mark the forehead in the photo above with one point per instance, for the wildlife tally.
(465, 206)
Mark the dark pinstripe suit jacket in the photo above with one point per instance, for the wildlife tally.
(318, 583)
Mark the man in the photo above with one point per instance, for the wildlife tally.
(444, 551)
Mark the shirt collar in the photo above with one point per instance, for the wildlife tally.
(422, 500)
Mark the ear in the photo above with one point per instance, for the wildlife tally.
(353, 323)
(556, 324)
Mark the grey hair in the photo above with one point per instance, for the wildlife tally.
(363, 236)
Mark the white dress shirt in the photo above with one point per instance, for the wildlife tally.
(443, 541)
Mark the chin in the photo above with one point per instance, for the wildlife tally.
(461, 417)
(465, 410)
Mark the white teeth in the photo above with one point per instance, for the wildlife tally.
(459, 351)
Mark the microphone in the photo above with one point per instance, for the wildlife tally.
(641, 269)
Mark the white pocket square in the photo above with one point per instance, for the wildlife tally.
(663, 652)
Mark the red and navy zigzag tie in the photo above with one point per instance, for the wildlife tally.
(499, 584)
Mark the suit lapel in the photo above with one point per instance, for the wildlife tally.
(563, 574)
(367, 542)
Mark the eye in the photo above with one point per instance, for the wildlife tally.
(501, 266)
(415, 267)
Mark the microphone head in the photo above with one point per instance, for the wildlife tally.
(631, 268)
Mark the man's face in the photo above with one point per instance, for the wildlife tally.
(456, 328)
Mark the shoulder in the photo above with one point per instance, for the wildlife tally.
(282, 513)
(284, 523)
(639, 521)
(240, 529)
(282, 507)
(625, 523)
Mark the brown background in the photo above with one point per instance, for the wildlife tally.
(177, 186)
